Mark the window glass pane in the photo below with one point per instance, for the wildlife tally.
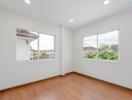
(26, 45)
(90, 47)
(108, 45)
(34, 48)
(46, 46)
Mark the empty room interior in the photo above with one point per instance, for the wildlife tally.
(65, 49)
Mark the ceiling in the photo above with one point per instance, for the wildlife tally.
(61, 11)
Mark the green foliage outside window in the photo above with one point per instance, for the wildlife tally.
(42, 54)
(109, 52)
(91, 54)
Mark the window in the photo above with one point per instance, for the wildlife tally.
(90, 47)
(101, 46)
(46, 46)
(34, 46)
(108, 45)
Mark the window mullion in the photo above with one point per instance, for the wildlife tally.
(97, 47)
(38, 47)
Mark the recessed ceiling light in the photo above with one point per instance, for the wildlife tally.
(71, 20)
(106, 2)
(28, 1)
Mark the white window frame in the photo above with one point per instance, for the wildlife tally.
(103, 60)
(36, 60)
(39, 50)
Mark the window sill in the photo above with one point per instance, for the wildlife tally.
(101, 60)
(34, 61)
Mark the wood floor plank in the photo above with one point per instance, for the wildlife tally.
(69, 87)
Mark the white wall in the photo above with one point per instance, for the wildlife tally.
(13, 73)
(66, 53)
(116, 72)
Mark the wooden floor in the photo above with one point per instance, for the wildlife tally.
(70, 87)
